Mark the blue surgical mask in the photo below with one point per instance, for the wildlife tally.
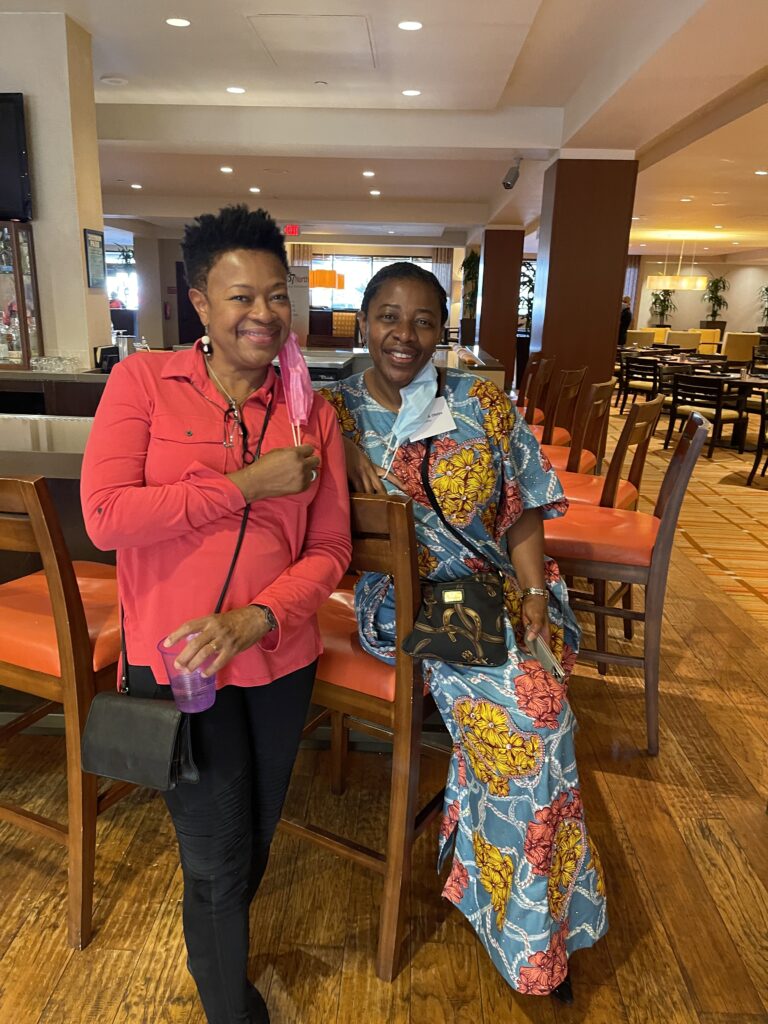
(416, 400)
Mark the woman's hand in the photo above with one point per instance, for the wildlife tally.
(535, 618)
(224, 635)
(363, 476)
(281, 471)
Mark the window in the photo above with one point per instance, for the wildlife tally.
(357, 271)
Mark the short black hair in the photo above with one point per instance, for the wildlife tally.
(405, 272)
(233, 227)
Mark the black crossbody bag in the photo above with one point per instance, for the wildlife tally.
(460, 621)
(139, 739)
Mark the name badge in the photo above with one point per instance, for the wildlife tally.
(439, 421)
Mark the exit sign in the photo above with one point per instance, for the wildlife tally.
(291, 229)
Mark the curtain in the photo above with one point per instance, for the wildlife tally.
(299, 254)
(442, 266)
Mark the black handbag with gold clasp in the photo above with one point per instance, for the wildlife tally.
(460, 621)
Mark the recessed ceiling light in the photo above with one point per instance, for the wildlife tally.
(686, 199)
(735, 243)
(119, 80)
(706, 248)
(226, 170)
(236, 90)
(411, 92)
(254, 189)
(321, 81)
(137, 186)
(635, 218)
(410, 26)
(178, 22)
(369, 174)
(642, 245)
(375, 192)
(718, 227)
(390, 232)
(761, 173)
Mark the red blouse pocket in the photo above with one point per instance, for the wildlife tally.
(176, 442)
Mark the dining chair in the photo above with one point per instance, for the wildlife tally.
(738, 346)
(60, 641)
(587, 448)
(684, 340)
(356, 690)
(531, 369)
(538, 391)
(710, 397)
(641, 377)
(626, 547)
(562, 406)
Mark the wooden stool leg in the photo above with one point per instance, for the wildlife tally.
(654, 606)
(81, 822)
(601, 632)
(402, 812)
(626, 604)
(339, 749)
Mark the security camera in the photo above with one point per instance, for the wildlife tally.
(510, 178)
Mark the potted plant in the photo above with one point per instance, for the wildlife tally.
(470, 268)
(762, 294)
(662, 305)
(527, 284)
(714, 297)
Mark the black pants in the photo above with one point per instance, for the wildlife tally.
(244, 747)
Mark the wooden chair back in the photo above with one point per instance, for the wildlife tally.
(703, 390)
(591, 427)
(563, 402)
(538, 387)
(637, 433)
(530, 369)
(675, 483)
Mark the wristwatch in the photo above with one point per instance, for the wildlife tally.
(534, 592)
(271, 620)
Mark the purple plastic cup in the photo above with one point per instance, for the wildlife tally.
(192, 691)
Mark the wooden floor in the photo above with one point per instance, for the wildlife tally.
(683, 837)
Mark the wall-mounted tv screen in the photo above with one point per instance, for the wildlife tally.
(15, 194)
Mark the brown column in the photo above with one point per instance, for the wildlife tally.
(499, 294)
(586, 215)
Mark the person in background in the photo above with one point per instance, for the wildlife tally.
(114, 302)
(625, 320)
(525, 871)
(181, 442)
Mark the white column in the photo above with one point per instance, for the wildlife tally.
(48, 58)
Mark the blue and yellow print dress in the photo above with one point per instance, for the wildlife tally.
(524, 870)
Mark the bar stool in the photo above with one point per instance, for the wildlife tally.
(620, 546)
(562, 406)
(585, 452)
(59, 640)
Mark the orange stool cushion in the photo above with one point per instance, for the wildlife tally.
(27, 628)
(343, 661)
(560, 436)
(559, 456)
(602, 535)
(587, 489)
(538, 414)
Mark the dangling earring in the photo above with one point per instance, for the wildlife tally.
(206, 344)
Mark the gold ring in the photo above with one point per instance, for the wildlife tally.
(214, 645)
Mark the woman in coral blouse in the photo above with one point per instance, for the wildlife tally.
(167, 473)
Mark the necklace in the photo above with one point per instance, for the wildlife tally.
(234, 405)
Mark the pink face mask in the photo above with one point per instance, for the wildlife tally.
(297, 385)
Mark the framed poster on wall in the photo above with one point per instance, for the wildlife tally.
(94, 258)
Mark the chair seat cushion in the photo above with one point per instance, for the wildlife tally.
(611, 535)
(726, 415)
(560, 436)
(343, 661)
(558, 457)
(538, 414)
(27, 628)
(641, 385)
(587, 489)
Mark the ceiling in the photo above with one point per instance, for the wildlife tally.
(539, 79)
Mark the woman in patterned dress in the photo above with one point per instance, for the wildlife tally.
(524, 870)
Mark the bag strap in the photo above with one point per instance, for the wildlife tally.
(433, 500)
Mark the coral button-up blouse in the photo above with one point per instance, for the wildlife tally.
(154, 487)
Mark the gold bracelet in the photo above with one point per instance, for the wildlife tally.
(534, 592)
